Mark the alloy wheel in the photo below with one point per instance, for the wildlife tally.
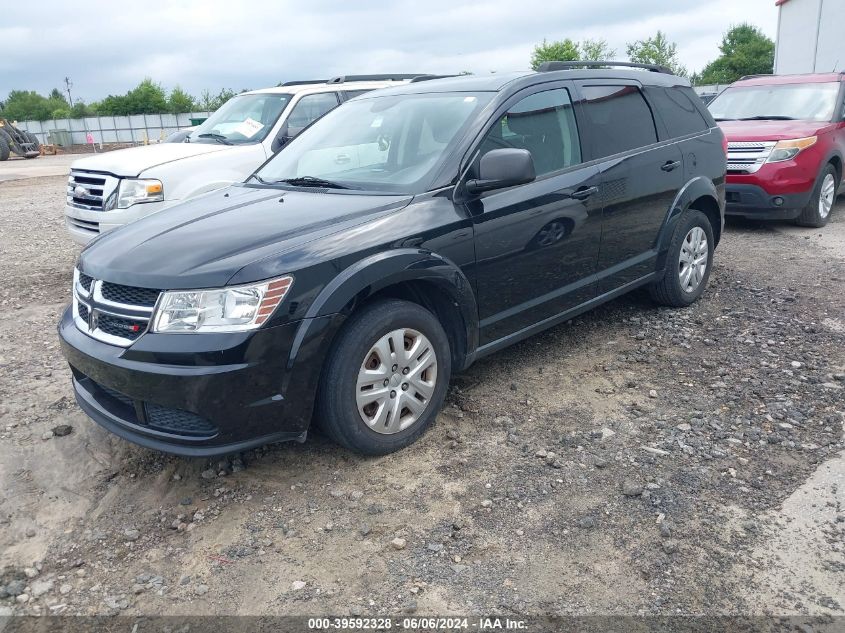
(827, 195)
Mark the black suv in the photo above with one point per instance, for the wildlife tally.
(401, 237)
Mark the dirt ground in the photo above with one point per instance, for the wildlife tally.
(637, 460)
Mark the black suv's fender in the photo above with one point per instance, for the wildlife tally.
(379, 272)
(696, 189)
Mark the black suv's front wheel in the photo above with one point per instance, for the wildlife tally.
(688, 262)
(385, 378)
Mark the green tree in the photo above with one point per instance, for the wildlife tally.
(657, 50)
(113, 105)
(180, 101)
(209, 102)
(81, 109)
(557, 51)
(596, 50)
(745, 51)
(28, 105)
(146, 98)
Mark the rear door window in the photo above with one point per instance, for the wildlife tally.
(677, 109)
(619, 119)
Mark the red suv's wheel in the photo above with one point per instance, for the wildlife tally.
(817, 211)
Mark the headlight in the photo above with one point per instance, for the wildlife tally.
(785, 150)
(133, 190)
(232, 309)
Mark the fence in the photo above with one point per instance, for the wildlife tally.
(135, 129)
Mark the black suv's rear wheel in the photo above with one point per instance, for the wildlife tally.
(688, 262)
(817, 211)
(385, 378)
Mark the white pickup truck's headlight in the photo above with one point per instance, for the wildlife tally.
(134, 190)
(232, 309)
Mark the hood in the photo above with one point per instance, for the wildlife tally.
(202, 243)
(770, 130)
(132, 161)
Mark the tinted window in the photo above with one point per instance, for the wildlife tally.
(309, 109)
(351, 94)
(619, 117)
(677, 110)
(544, 124)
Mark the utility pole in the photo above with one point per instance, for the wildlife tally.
(69, 85)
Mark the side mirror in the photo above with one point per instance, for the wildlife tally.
(500, 168)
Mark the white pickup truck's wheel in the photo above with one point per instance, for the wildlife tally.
(385, 378)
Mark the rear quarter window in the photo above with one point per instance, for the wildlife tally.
(677, 108)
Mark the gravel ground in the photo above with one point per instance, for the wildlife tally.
(636, 460)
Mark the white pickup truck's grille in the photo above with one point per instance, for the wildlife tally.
(91, 190)
(746, 157)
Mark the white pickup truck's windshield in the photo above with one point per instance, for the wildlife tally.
(810, 101)
(391, 143)
(246, 118)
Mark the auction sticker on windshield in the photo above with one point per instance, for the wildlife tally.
(249, 128)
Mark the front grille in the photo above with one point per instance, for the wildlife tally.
(747, 157)
(129, 329)
(92, 191)
(129, 295)
(85, 281)
(116, 395)
(155, 416)
(84, 225)
(112, 313)
(177, 421)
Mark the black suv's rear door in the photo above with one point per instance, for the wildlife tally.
(536, 244)
(640, 177)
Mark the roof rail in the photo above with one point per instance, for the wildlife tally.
(304, 82)
(546, 67)
(386, 77)
(419, 78)
(755, 76)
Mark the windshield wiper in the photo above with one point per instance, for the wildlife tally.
(217, 137)
(718, 119)
(311, 181)
(768, 117)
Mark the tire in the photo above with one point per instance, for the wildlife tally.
(670, 290)
(340, 413)
(4, 147)
(35, 142)
(817, 212)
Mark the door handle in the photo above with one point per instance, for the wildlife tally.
(583, 193)
(671, 165)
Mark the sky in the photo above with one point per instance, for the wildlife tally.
(107, 47)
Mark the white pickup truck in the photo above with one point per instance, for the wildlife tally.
(109, 190)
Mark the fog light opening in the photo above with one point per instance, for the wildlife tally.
(778, 201)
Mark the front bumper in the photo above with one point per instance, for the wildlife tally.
(777, 191)
(752, 201)
(199, 395)
(84, 225)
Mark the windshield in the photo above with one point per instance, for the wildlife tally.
(243, 119)
(811, 101)
(391, 143)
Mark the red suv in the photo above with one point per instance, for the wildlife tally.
(786, 143)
